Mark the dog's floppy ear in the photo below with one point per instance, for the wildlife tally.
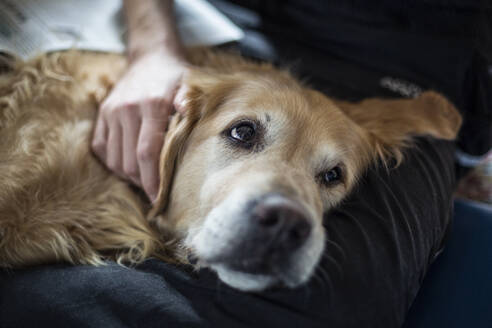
(205, 92)
(179, 129)
(390, 123)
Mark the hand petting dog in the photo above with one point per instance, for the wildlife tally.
(132, 120)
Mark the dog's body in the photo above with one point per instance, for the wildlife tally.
(245, 175)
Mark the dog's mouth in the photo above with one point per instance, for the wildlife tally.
(257, 265)
(266, 264)
(264, 243)
(257, 270)
(253, 266)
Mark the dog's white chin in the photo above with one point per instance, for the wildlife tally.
(243, 281)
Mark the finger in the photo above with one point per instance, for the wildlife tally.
(131, 127)
(114, 148)
(149, 146)
(180, 100)
(99, 139)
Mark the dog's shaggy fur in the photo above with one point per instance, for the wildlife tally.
(58, 203)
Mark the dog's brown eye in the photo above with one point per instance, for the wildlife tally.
(331, 176)
(243, 132)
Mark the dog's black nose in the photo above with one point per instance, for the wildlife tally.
(276, 227)
(283, 223)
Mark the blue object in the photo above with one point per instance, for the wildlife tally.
(457, 292)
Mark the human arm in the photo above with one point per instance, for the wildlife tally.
(132, 120)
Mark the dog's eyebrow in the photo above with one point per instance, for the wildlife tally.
(330, 157)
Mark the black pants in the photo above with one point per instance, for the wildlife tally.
(381, 241)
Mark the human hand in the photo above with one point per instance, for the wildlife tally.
(132, 120)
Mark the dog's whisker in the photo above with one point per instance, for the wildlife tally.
(334, 262)
(338, 247)
(324, 276)
(317, 276)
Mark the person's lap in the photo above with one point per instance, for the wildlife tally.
(381, 242)
(456, 292)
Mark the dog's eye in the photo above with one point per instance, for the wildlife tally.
(243, 132)
(331, 176)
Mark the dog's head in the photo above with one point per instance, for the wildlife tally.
(249, 170)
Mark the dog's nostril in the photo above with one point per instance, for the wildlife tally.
(269, 219)
(299, 231)
(286, 224)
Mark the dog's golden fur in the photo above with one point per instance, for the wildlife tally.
(58, 203)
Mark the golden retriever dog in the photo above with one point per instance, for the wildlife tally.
(246, 173)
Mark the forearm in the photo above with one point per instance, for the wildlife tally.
(132, 120)
(152, 26)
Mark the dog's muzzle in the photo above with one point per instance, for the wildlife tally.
(274, 228)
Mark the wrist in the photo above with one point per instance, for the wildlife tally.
(170, 50)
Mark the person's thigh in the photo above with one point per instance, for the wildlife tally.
(457, 291)
(380, 244)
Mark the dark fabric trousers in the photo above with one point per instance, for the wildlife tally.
(456, 292)
(381, 242)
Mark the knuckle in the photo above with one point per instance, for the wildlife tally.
(108, 107)
(158, 103)
(156, 99)
(126, 108)
(112, 112)
(144, 155)
(105, 106)
(98, 146)
(146, 152)
(129, 106)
